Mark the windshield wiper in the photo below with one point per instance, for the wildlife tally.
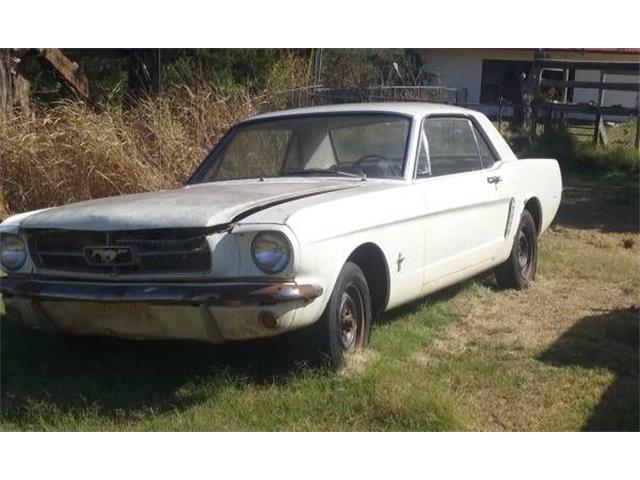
(322, 171)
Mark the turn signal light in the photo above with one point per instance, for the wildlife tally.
(268, 320)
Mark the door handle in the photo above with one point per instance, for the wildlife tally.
(495, 180)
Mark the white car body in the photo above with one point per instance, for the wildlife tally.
(417, 235)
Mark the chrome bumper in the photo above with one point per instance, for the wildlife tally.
(202, 293)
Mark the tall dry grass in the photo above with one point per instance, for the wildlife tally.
(69, 152)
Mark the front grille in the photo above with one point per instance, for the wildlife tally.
(154, 251)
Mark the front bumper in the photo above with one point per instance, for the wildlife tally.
(209, 311)
(209, 293)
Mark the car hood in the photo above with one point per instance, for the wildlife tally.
(200, 205)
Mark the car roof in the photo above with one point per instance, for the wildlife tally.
(414, 109)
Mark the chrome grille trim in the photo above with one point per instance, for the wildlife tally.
(155, 251)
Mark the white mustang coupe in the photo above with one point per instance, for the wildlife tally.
(314, 219)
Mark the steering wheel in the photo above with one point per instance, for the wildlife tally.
(366, 158)
(378, 162)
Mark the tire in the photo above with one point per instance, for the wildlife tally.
(519, 270)
(345, 324)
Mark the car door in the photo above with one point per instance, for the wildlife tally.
(466, 208)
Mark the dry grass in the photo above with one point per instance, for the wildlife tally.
(70, 153)
(357, 363)
(533, 319)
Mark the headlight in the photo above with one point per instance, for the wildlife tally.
(271, 251)
(13, 253)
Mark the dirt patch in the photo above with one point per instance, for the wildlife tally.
(356, 363)
(534, 318)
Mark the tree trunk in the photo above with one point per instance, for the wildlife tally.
(6, 89)
(14, 88)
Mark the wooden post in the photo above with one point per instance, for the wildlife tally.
(14, 88)
(565, 98)
(549, 118)
(6, 85)
(71, 73)
(529, 87)
(598, 123)
(638, 132)
(596, 128)
(565, 90)
(534, 103)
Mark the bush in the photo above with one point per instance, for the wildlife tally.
(577, 156)
(224, 67)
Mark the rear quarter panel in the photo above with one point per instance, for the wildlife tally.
(536, 177)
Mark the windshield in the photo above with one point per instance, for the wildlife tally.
(358, 145)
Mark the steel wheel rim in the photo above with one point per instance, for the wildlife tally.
(525, 251)
(351, 318)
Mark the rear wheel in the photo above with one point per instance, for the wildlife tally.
(520, 268)
(345, 324)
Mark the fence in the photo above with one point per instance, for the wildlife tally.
(318, 95)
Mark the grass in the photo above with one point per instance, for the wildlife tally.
(69, 153)
(562, 355)
(52, 384)
(576, 153)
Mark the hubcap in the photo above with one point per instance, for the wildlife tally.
(350, 315)
(525, 252)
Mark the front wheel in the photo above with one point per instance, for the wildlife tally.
(345, 324)
(520, 268)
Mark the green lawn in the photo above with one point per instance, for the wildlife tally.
(562, 355)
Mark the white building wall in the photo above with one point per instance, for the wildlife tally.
(463, 68)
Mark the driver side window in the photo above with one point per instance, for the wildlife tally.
(450, 145)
